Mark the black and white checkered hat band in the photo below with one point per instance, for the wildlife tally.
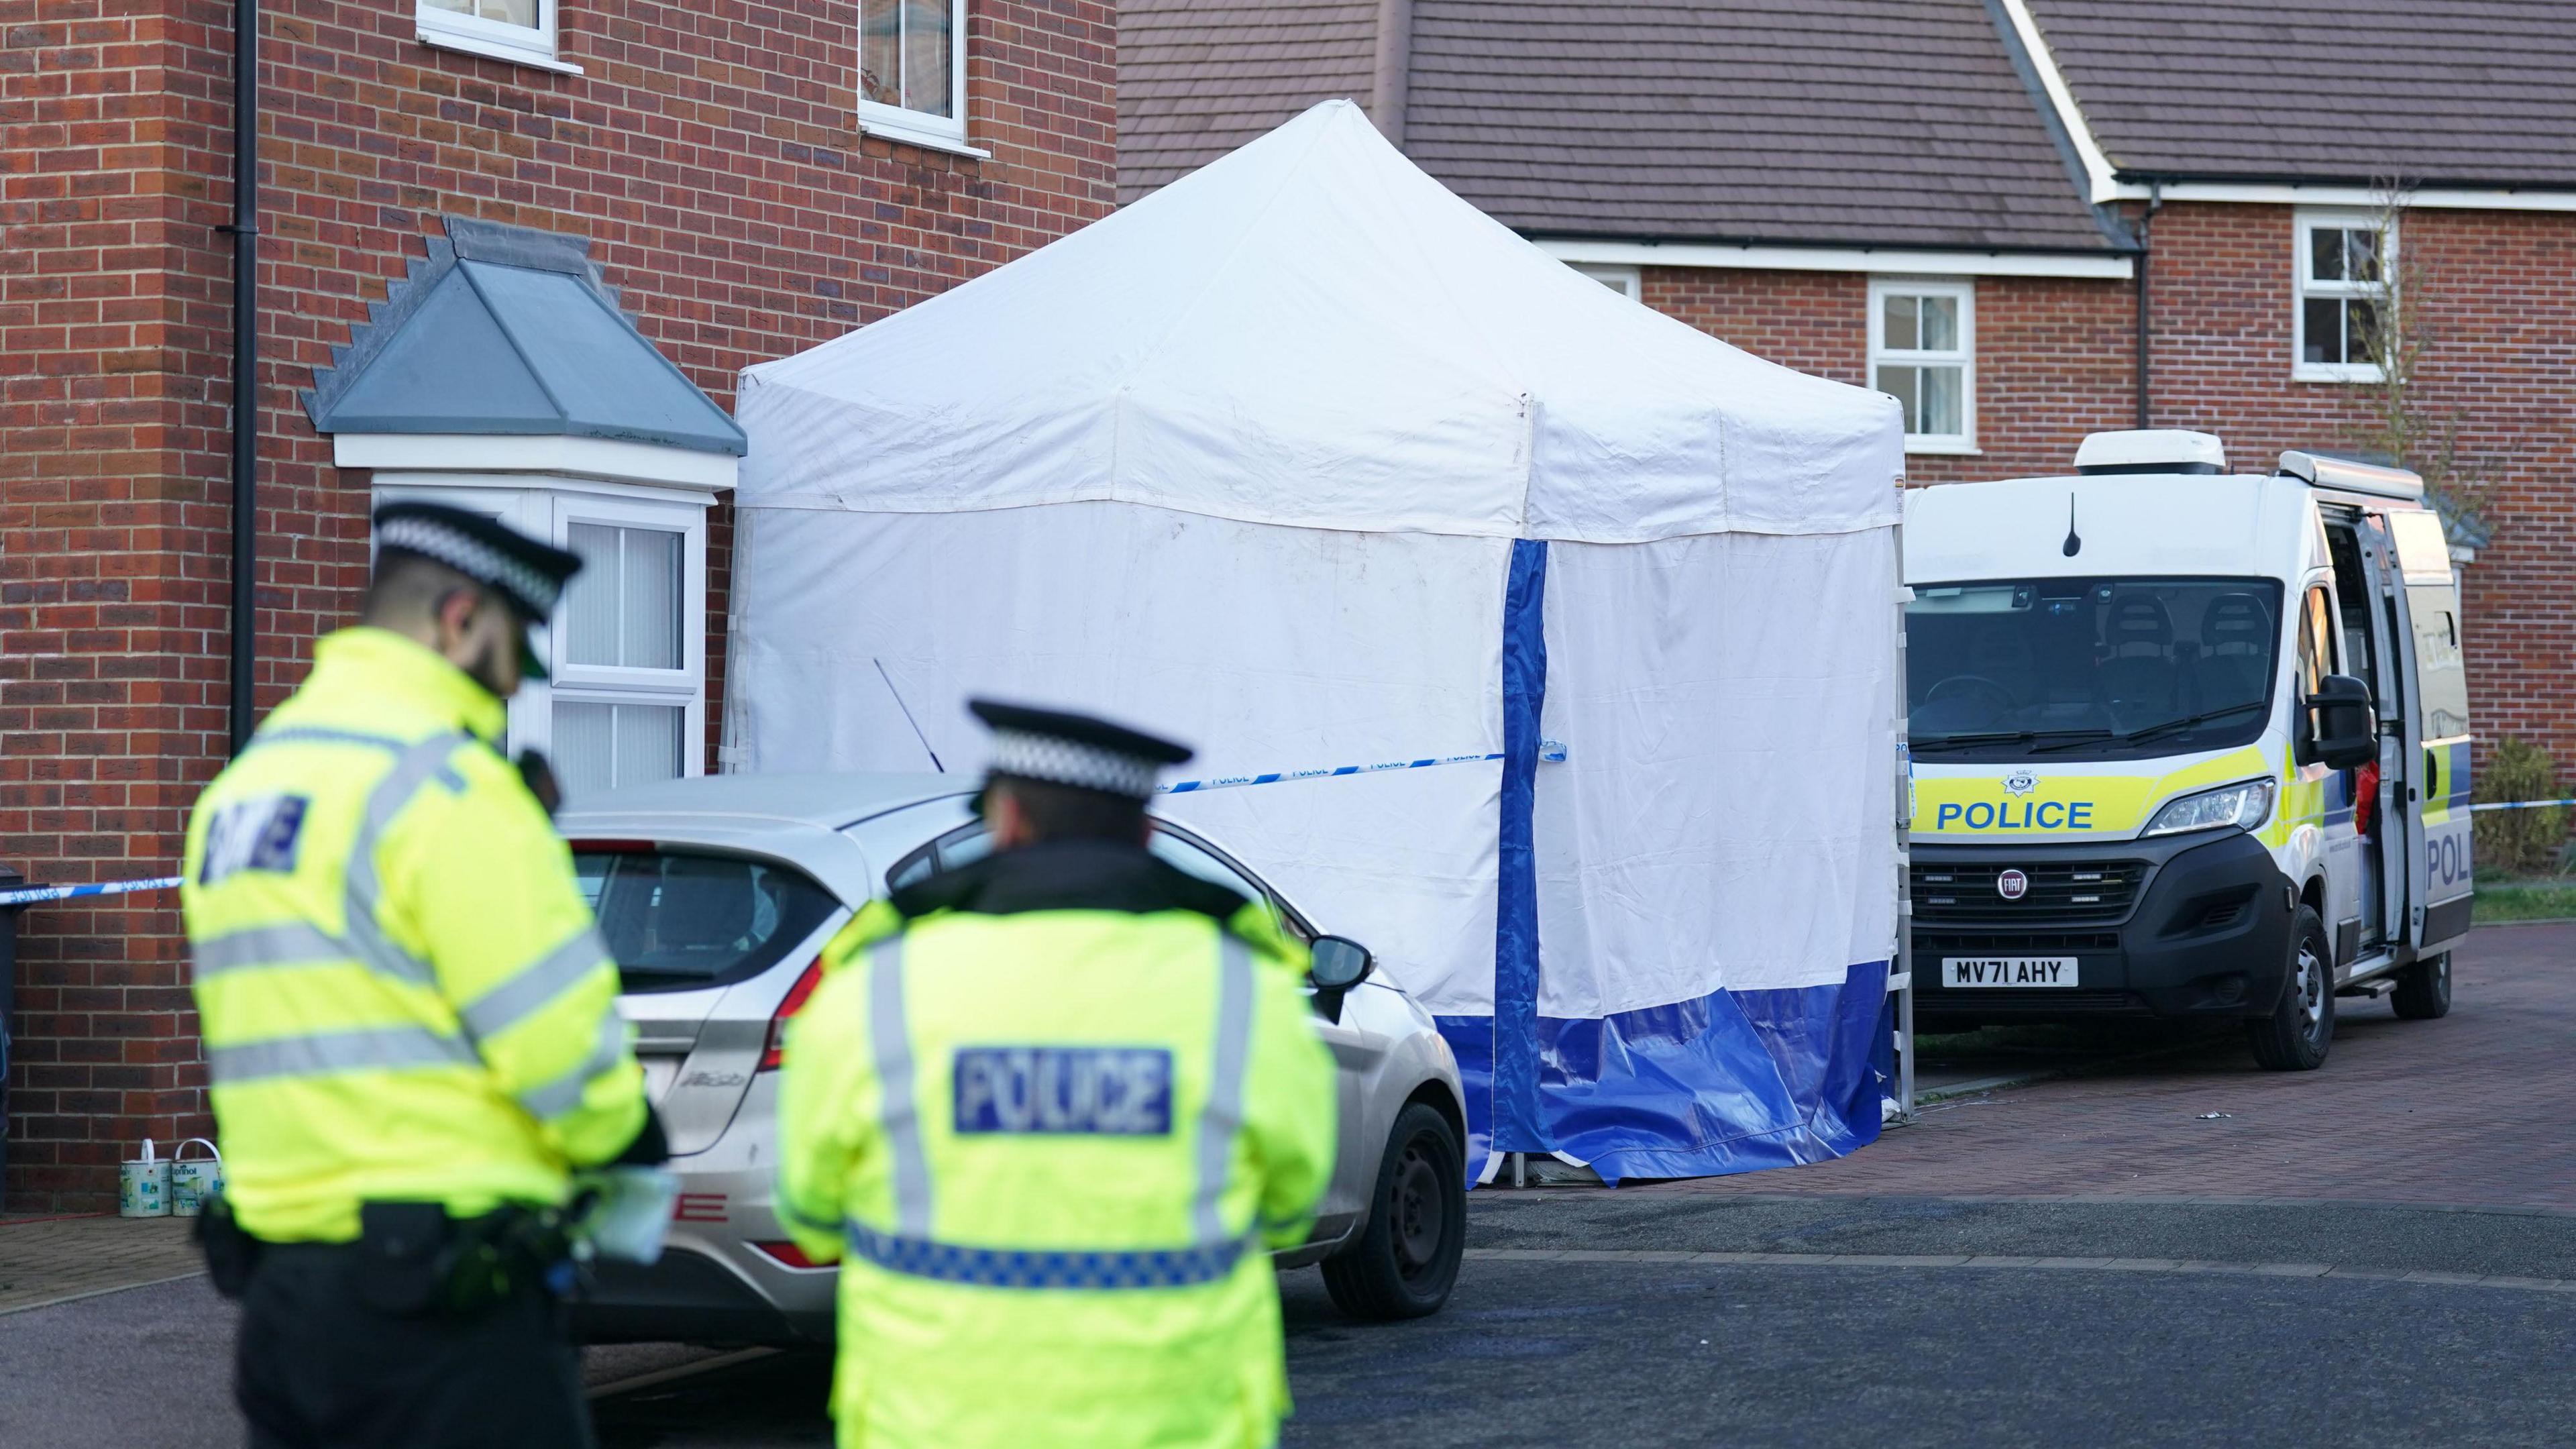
(1060, 761)
(528, 587)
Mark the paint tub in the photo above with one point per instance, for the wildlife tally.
(143, 1186)
(191, 1183)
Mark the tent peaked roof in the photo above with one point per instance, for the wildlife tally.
(1311, 331)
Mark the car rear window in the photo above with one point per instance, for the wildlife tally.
(679, 920)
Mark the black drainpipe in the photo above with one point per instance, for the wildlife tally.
(245, 230)
(2146, 394)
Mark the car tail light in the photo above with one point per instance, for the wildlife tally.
(789, 1254)
(788, 1005)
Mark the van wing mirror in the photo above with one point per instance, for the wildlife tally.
(2344, 727)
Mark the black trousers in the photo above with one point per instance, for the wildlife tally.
(316, 1368)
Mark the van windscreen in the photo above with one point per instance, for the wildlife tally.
(2089, 668)
(679, 920)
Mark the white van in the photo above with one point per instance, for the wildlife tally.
(2146, 707)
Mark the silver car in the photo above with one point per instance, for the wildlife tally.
(716, 896)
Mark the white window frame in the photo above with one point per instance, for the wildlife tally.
(920, 128)
(2302, 287)
(685, 686)
(1628, 281)
(1964, 291)
(520, 44)
(547, 507)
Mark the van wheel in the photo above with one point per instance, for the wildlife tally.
(2424, 989)
(1406, 1259)
(2295, 1036)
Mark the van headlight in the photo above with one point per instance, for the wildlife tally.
(2245, 806)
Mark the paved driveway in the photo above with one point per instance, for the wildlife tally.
(2478, 1109)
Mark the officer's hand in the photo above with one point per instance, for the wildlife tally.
(541, 782)
(651, 1148)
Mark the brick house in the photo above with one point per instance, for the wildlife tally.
(444, 184)
(2028, 219)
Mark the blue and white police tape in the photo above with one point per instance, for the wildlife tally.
(35, 895)
(1552, 751)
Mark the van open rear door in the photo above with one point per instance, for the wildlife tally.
(2437, 731)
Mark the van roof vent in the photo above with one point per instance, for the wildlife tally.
(2151, 450)
(2318, 470)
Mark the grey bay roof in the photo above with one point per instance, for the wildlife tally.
(2428, 91)
(507, 330)
(1853, 122)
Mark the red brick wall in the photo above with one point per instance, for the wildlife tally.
(708, 151)
(2501, 357)
(2057, 359)
(1813, 321)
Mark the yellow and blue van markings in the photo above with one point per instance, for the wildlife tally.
(2454, 760)
(2010, 799)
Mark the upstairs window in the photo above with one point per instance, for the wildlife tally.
(2343, 278)
(1622, 280)
(513, 30)
(912, 71)
(1922, 352)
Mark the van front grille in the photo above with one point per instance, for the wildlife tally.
(1931, 946)
(2099, 890)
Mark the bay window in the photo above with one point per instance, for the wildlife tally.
(626, 649)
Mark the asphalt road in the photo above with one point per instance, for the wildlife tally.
(2243, 1337)
(2022, 1268)
(2248, 1339)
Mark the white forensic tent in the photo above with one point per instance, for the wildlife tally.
(1306, 461)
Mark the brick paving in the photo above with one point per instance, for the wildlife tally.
(2477, 1109)
(50, 1260)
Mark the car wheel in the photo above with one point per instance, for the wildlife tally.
(2424, 989)
(2295, 1036)
(1405, 1260)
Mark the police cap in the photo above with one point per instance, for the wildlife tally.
(1057, 747)
(529, 574)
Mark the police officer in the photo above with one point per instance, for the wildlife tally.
(1048, 1108)
(409, 1021)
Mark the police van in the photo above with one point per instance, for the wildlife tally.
(2186, 743)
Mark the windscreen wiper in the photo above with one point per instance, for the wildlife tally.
(2172, 726)
(1996, 737)
(2191, 721)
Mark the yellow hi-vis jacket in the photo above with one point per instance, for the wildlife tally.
(1049, 1147)
(401, 991)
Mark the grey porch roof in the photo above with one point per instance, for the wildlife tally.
(2466, 92)
(1850, 122)
(506, 330)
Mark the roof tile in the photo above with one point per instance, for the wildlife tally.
(1864, 122)
(2419, 91)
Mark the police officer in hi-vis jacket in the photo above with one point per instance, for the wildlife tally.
(410, 1023)
(1048, 1110)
